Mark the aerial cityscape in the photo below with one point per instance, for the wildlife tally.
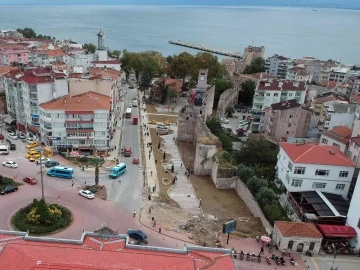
(159, 137)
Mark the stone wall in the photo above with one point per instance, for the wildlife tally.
(209, 101)
(223, 178)
(187, 124)
(252, 204)
(228, 98)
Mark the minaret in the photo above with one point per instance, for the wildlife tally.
(101, 46)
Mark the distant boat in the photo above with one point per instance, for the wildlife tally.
(314, 10)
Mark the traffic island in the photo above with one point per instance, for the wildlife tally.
(99, 191)
(41, 218)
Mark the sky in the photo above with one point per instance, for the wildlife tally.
(351, 4)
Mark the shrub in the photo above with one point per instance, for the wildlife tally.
(265, 196)
(245, 172)
(274, 212)
(6, 181)
(255, 184)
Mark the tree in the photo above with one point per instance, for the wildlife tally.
(89, 47)
(214, 125)
(205, 60)
(27, 32)
(96, 162)
(221, 86)
(229, 111)
(244, 172)
(255, 184)
(265, 196)
(247, 93)
(274, 212)
(169, 59)
(256, 65)
(181, 66)
(114, 53)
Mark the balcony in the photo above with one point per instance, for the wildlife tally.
(36, 124)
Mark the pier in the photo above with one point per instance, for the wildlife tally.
(205, 49)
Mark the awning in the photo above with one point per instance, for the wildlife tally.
(337, 231)
(9, 120)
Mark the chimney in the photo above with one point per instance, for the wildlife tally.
(280, 84)
(332, 152)
(65, 101)
(78, 100)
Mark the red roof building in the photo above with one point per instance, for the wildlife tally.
(100, 251)
(339, 136)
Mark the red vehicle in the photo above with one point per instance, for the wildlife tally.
(136, 161)
(127, 152)
(2, 137)
(30, 180)
(135, 120)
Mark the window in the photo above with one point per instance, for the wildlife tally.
(312, 245)
(354, 158)
(319, 185)
(322, 172)
(291, 116)
(290, 244)
(296, 183)
(289, 125)
(358, 224)
(290, 166)
(349, 154)
(340, 187)
(336, 145)
(299, 170)
(287, 178)
(343, 174)
(324, 141)
(268, 94)
(276, 94)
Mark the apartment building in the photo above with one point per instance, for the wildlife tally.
(298, 74)
(7, 57)
(339, 137)
(354, 150)
(278, 65)
(81, 59)
(353, 217)
(47, 56)
(338, 74)
(305, 167)
(114, 64)
(287, 119)
(81, 122)
(338, 114)
(26, 90)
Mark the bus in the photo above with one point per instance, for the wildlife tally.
(117, 171)
(128, 112)
(61, 172)
(4, 149)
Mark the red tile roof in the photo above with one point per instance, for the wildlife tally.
(356, 140)
(89, 101)
(105, 73)
(328, 84)
(55, 53)
(281, 85)
(340, 133)
(109, 62)
(261, 75)
(298, 229)
(316, 154)
(108, 254)
(355, 98)
(174, 84)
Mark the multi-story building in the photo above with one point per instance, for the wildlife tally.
(353, 83)
(338, 74)
(26, 90)
(353, 217)
(354, 150)
(278, 65)
(114, 64)
(338, 114)
(11, 34)
(339, 137)
(319, 70)
(287, 119)
(7, 57)
(82, 122)
(298, 74)
(306, 167)
(82, 59)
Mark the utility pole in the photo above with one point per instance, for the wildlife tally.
(41, 176)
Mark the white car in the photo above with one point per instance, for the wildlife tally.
(243, 123)
(43, 160)
(10, 164)
(29, 140)
(21, 136)
(130, 105)
(87, 194)
(13, 136)
(224, 121)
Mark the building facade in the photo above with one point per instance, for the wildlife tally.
(298, 74)
(339, 137)
(82, 122)
(7, 57)
(338, 114)
(353, 217)
(305, 167)
(338, 74)
(277, 66)
(287, 119)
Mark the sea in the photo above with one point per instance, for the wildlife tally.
(291, 32)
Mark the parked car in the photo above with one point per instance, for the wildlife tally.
(2, 137)
(131, 87)
(130, 105)
(42, 160)
(137, 235)
(32, 145)
(136, 161)
(10, 164)
(21, 136)
(51, 163)
(153, 122)
(28, 140)
(30, 180)
(13, 136)
(224, 121)
(8, 189)
(87, 194)
(10, 129)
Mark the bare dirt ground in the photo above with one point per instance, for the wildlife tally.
(218, 206)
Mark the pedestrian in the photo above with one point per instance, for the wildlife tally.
(134, 214)
(149, 156)
(72, 183)
(87, 166)
(154, 224)
(85, 183)
(149, 197)
(151, 173)
(188, 176)
(149, 210)
(154, 189)
(159, 230)
(181, 165)
(152, 218)
(82, 168)
(155, 161)
(262, 250)
(115, 147)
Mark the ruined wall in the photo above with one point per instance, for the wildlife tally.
(223, 178)
(209, 100)
(228, 98)
(207, 145)
(186, 124)
(252, 204)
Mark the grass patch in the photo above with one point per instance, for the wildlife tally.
(40, 218)
(6, 181)
(225, 160)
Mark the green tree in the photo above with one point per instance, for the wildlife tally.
(181, 66)
(244, 172)
(265, 196)
(229, 111)
(221, 86)
(215, 126)
(226, 142)
(27, 32)
(169, 59)
(114, 53)
(40, 36)
(247, 93)
(256, 65)
(254, 184)
(274, 212)
(205, 60)
(96, 162)
(89, 47)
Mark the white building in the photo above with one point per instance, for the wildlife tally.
(307, 167)
(319, 70)
(353, 217)
(83, 60)
(114, 64)
(298, 74)
(278, 65)
(339, 114)
(339, 137)
(82, 122)
(337, 74)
